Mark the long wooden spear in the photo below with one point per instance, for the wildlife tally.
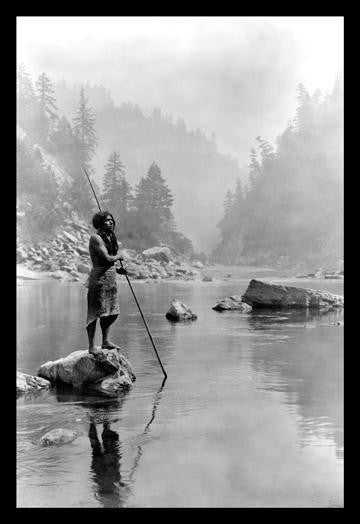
(136, 300)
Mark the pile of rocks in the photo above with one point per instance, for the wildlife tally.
(323, 273)
(66, 257)
(160, 263)
(67, 254)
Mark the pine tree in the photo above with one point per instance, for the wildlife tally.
(153, 200)
(24, 87)
(64, 145)
(154, 195)
(117, 195)
(238, 195)
(27, 108)
(285, 141)
(228, 202)
(84, 130)
(254, 171)
(86, 140)
(304, 112)
(233, 211)
(46, 99)
(228, 207)
(266, 150)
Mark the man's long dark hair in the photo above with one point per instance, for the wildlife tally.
(108, 237)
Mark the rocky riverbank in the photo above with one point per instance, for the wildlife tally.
(66, 258)
(325, 273)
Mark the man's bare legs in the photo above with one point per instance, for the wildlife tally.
(105, 323)
(90, 328)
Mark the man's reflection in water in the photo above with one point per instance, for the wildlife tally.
(105, 466)
(111, 490)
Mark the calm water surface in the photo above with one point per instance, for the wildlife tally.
(251, 414)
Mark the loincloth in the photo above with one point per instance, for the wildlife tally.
(102, 296)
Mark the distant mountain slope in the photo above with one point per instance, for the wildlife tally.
(197, 174)
(59, 173)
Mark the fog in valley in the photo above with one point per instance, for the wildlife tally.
(239, 120)
(216, 143)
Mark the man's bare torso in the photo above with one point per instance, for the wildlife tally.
(96, 246)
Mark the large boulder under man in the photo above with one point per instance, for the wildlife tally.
(102, 297)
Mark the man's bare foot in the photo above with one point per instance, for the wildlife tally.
(95, 350)
(109, 345)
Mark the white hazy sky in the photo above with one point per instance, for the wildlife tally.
(234, 76)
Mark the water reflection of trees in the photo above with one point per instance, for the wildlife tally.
(307, 367)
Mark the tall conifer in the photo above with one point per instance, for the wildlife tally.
(84, 129)
(46, 99)
(116, 195)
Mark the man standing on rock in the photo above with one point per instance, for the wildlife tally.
(102, 296)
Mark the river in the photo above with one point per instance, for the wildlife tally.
(251, 414)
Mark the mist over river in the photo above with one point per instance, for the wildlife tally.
(251, 414)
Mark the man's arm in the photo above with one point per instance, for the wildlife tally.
(98, 246)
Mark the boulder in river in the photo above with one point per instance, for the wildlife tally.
(29, 384)
(261, 294)
(233, 302)
(82, 370)
(179, 311)
(58, 436)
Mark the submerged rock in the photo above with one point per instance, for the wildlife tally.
(233, 302)
(58, 436)
(179, 311)
(262, 294)
(82, 370)
(29, 384)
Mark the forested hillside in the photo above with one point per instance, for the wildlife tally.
(291, 211)
(197, 173)
(53, 153)
(166, 185)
